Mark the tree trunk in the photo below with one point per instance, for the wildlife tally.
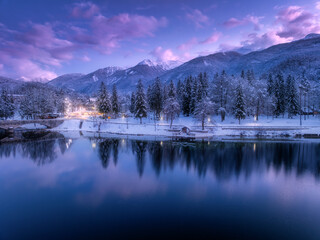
(140, 120)
(239, 120)
(202, 124)
(171, 122)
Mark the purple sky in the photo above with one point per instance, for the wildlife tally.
(44, 39)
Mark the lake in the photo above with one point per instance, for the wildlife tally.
(109, 188)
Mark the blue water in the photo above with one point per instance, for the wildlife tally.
(123, 189)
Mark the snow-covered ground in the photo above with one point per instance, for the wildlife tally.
(214, 127)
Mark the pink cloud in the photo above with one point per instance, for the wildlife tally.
(106, 33)
(45, 46)
(292, 23)
(85, 10)
(198, 18)
(164, 55)
(318, 5)
(234, 22)
(296, 22)
(212, 39)
(29, 53)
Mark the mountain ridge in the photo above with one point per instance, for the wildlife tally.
(293, 57)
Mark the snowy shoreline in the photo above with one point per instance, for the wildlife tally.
(263, 129)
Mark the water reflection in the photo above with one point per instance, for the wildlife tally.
(222, 159)
(41, 151)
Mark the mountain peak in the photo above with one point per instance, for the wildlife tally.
(147, 62)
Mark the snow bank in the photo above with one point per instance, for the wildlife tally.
(33, 126)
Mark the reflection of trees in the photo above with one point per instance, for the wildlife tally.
(115, 147)
(40, 151)
(104, 152)
(226, 160)
(139, 148)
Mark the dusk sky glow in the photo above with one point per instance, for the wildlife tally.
(44, 39)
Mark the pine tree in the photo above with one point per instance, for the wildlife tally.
(204, 85)
(292, 97)
(186, 97)
(115, 101)
(180, 89)
(103, 101)
(270, 85)
(6, 105)
(172, 90)
(280, 95)
(155, 98)
(194, 95)
(132, 103)
(141, 103)
(239, 105)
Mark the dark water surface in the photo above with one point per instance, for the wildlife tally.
(126, 189)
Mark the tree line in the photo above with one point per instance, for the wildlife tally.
(241, 96)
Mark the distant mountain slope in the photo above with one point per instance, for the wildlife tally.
(10, 84)
(125, 79)
(295, 58)
(65, 80)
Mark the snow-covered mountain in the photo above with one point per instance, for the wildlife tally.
(125, 79)
(288, 58)
(295, 58)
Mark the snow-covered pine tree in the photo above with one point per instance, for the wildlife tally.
(172, 90)
(292, 97)
(280, 95)
(242, 74)
(164, 94)
(203, 110)
(186, 96)
(132, 103)
(220, 90)
(194, 95)
(27, 108)
(239, 105)
(305, 86)
(250, 76)
(6, 105)
(204, 85)
(115, 101)
(149, 96)
(180, 89)
(155, 98)
(270, 85)
(103, 101)
(141, 103)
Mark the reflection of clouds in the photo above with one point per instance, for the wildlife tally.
(120, 183)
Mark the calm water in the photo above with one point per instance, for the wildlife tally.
(123, 189)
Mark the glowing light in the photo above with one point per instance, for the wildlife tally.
(208, 143)
(161, 118)
(209, 119)
(161, 143)
(94, 145)
(254, 147)
(255, 118)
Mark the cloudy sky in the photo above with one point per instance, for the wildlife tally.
(47, 38)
